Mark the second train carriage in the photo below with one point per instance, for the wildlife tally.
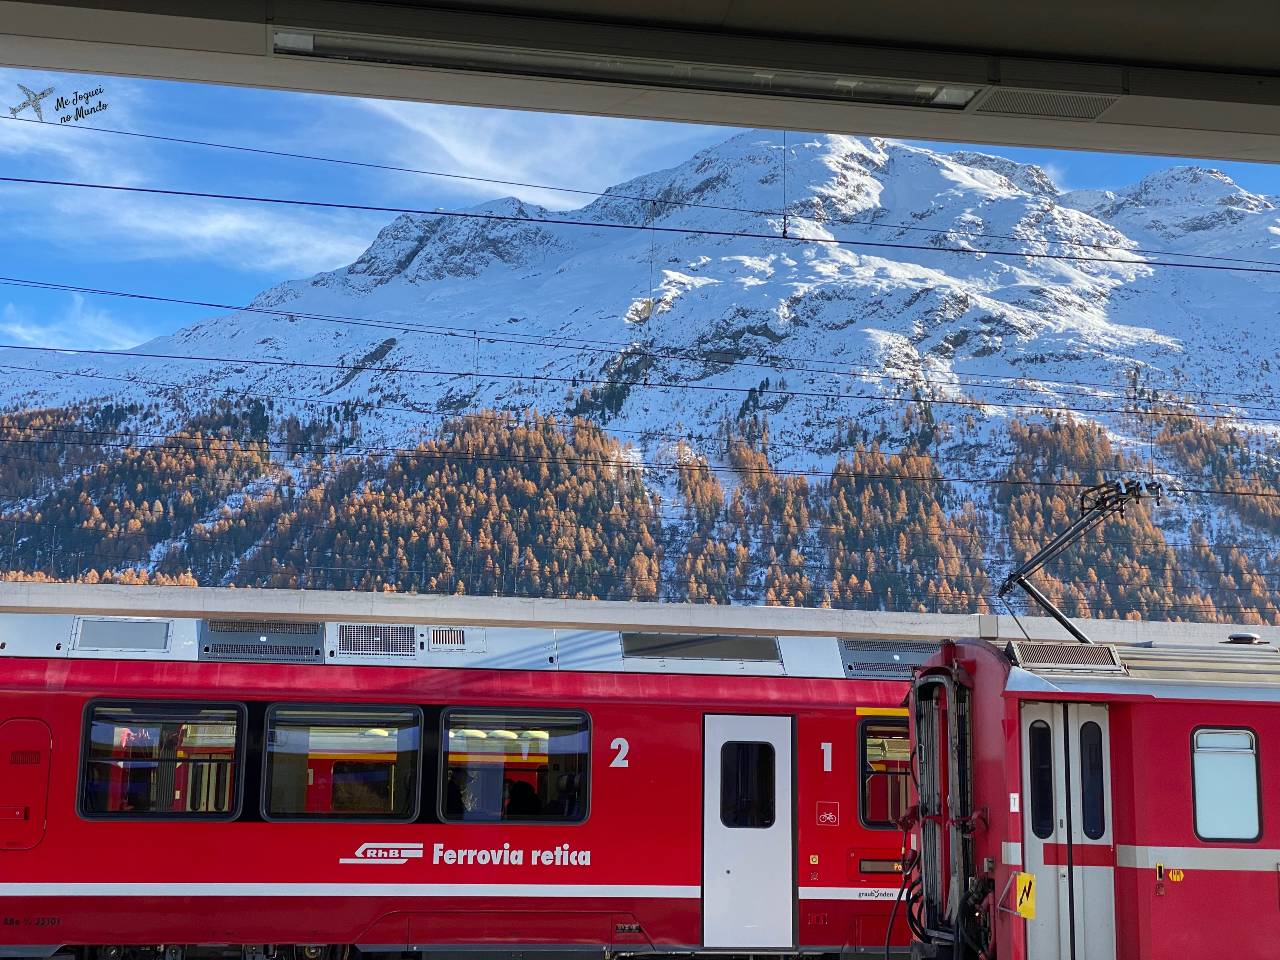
(220, 786)
(1097, 801)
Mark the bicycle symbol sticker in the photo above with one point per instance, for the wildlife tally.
(828, 813)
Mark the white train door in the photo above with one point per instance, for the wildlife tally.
(1066, 790)
(748, 888)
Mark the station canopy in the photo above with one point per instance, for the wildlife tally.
(1181, 77)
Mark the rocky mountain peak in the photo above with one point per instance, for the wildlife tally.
(507, 232)
(1176, 203)
(1202, 186)
(1027, 177)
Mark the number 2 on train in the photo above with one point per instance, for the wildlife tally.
(620, 744)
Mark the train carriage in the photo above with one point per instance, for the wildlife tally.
(216, 787)
(1097, 801)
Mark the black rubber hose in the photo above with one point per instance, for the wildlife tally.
(893, 917)
(915, 907)
(909, 859)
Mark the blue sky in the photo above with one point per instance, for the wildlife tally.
(227, 252)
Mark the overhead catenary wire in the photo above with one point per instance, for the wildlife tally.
(514, 420)
(749, 596)
(665, 201)
(676, 513)
(780, 363)
(715, 358)
(835, 475)
(169, 441)
(644, 383)
(805, 566)
(1214, 571)
(545, 552)
(796, 237)
(621, 591)
(715, 537)
(947, 232)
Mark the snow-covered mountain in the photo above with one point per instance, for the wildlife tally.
(845, 291)
(830, 267)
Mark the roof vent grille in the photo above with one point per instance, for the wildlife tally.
(264, 626)
(261, 641)
(1044, 103)
(380, 639)
(261, 652)
(460, 639)
(1084, 657)
(884, 659)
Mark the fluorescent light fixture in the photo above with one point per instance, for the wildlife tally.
(605, 68)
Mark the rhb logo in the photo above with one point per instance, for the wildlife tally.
(385, 853)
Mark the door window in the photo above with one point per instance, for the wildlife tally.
(1040, 743)
(1092, 794)
(747, 784)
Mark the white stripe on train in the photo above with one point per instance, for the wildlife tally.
(1232, 859)
(541, 890)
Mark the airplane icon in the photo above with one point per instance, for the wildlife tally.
(32, 101)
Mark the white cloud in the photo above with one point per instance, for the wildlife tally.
(1057, 174)
(79, 324)
(106, 226)
(555, 150)
(247, 236)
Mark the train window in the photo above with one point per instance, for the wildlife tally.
(885, 782)
(747, 785)
(329, 762)
(162, 760)
(515, 766)
(1225, 789)
(1040, 760)
(1092, 777)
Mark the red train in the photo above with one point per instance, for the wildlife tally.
(219, 787)
(1097, 802)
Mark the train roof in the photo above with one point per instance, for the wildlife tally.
(112, 621)
(1243, 669)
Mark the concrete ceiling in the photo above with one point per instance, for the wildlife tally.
(1230, 36)
(1175, 77)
